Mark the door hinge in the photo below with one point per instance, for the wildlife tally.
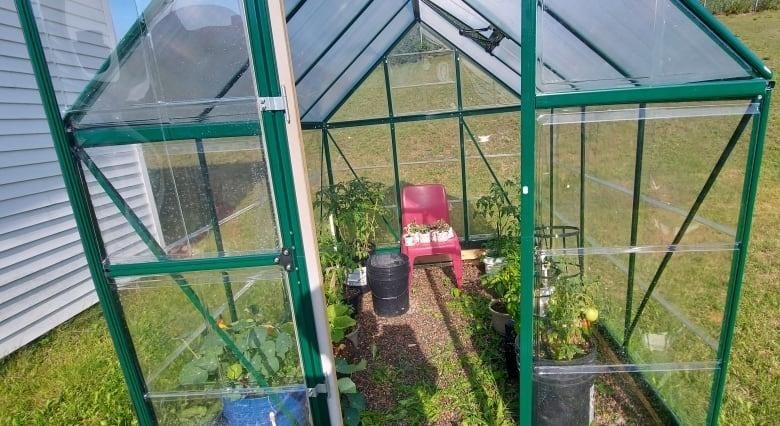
(274, 103)
(318, 389)
(285, 259)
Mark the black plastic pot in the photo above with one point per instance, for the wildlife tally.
(388, 278)
(564, 399)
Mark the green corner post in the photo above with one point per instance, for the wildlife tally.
(527, 184)
(267, 81)
(750, 185)
(84, 215)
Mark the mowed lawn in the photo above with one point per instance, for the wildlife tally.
(71, 376)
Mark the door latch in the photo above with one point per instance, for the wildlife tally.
(285, 259)
(318, 389)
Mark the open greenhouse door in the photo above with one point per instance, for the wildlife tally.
(210, 306)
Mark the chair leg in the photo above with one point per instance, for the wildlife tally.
(411, 272)
(457, 269)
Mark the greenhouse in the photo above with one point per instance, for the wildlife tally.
(605, 198)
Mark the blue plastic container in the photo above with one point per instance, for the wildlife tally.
(287, 409)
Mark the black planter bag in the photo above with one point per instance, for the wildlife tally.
(564, 399)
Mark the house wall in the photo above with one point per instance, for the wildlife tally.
(44, 279)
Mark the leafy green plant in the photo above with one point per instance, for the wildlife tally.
(269, 348)
(353, 403)
(356, 207)
(336, 262)
(504, 217)
(564, 332)
(505, 283)
(339, 320)
(413, 227)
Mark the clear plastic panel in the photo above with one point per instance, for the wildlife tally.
(687, 163)
(479, 89)
(182, 356)
(366, 151)
(195, 188)
(643, 278)
(318, 24)
(368, 101)
(429, 152)
(495, 139)
(170, 62)
(647, 43)
(502, 71)
(673, 330)
(423, 82)
(321, 91)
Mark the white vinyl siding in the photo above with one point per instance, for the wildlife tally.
(44, 278)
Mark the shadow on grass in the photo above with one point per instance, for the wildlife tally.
(489, 362)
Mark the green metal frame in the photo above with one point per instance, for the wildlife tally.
(71, 144)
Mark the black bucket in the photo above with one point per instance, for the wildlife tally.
(564, 399)
(388, 278)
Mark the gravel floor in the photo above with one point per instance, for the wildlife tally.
(441, 362)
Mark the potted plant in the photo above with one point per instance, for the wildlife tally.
(505, 285)
(497, 210)
(563, 337)
(441, 231)
(356, 207)
(420, 232)
(271, 352)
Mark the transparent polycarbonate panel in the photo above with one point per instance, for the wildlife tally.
(77, 39)
(422, 76)
(693, 161)
(366, 152)
(186, 62)
(504, 72)
(623, 398)
(369, 100)
(353, 56)
(123, 169)
(429, 152)
(673, 327)
(480, 89)
(179, 352)
(319, 24)
(496, 139)
(645, 43)
(287, 405)
(211, 198)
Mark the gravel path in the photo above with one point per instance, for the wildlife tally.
(441, 362)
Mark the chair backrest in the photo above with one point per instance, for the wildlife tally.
(424, 204)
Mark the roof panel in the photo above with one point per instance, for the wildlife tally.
(318, 24)
(353, 57)
(652, 42)
(493, 65)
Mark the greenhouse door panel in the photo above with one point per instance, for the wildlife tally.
(196, 250)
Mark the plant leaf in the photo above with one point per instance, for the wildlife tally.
(351, 416)
(283, 344)
(346, 385)
(209, 363)
(191, 374)
(357, 401)
(343, 322)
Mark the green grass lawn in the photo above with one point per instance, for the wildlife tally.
(71, 376)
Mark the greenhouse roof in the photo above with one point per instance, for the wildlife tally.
(163, 70)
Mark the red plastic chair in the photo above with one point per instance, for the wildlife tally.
(425, 204)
